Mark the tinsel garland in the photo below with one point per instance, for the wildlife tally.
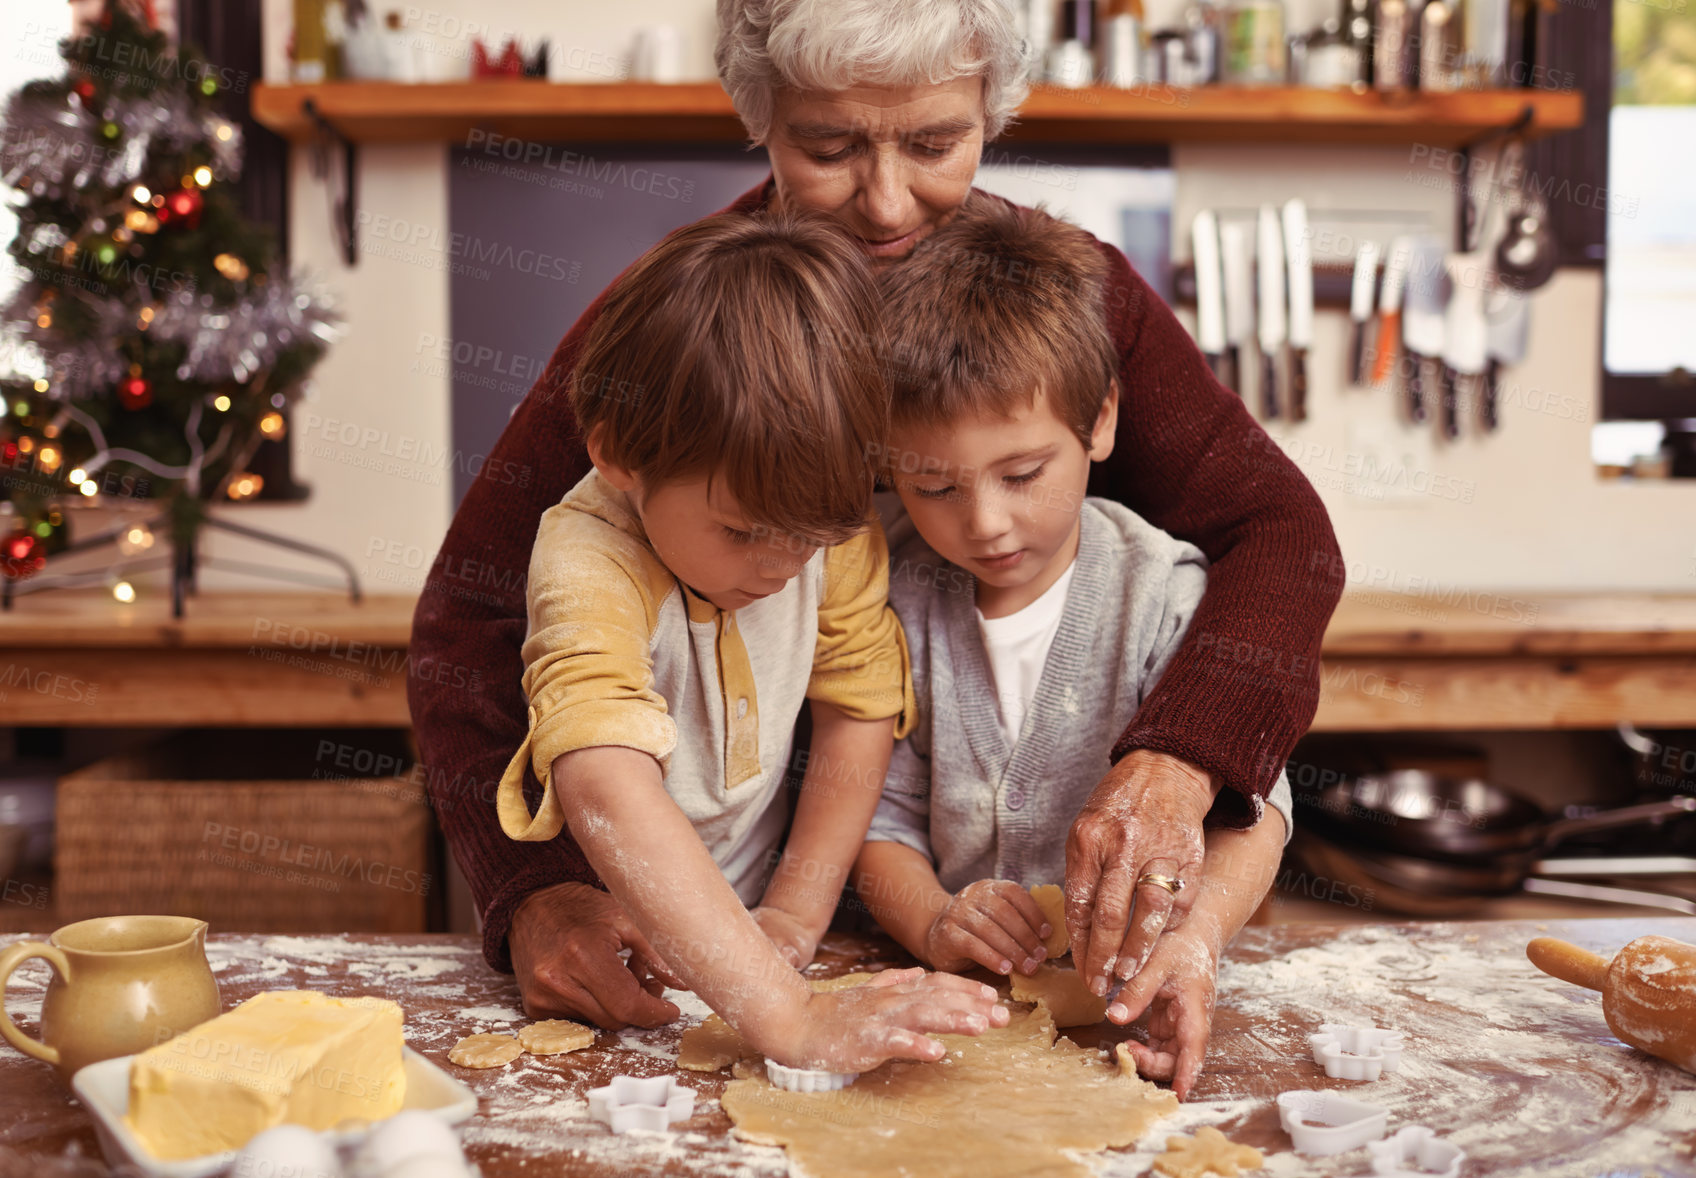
(53, 139)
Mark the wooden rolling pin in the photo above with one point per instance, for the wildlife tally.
(1648, 990)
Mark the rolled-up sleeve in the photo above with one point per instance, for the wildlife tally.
(588, 674)
(860, 663)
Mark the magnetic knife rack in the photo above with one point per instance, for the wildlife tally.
(1332, 282)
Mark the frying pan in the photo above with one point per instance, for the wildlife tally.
(1457, 819)
(1426, 888)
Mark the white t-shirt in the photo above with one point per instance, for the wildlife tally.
(1017, 646)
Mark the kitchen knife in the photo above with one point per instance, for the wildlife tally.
(1422, 317)
(1298, 248)
(1390, 308)
(1270, 245)
(1509, 317)
(1209, 289)
(1464, 330)
(1361, 291)
(1239, 296)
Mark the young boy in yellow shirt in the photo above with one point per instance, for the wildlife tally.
(720, 569)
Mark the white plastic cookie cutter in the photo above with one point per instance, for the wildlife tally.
(630, 1102)
(1355, 1053)
(807, 1079)
(1322, 1123)
(1415, 1152)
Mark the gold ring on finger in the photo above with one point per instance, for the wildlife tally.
(1170, 882)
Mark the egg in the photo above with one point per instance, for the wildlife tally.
(404, 1137)
(287, 1151)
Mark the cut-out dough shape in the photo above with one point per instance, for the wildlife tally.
(1005, 1104)
(1208, 1150)
(555, 1036)
(485, 1051)
(1052, 901)
(714, 1043)
(1126, 1061)
(1063, 992)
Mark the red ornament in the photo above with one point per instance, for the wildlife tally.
(84, 89)
(134, 392)
(183, 205)
(21, 555)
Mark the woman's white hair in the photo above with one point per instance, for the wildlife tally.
(835, 44)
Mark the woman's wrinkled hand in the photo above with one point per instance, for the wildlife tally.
(1144, 818)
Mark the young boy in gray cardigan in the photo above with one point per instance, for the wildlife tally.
(1037, 620)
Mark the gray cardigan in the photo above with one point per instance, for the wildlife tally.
(955, 792)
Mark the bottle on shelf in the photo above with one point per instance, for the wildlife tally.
(1255, 52)
(1119, 48)
(1070, 61)
(1394, 37)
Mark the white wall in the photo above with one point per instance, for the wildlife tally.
(1520, 509)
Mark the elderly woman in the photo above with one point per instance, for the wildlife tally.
(876, 113)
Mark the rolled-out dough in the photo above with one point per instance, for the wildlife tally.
(714, 1043)
(1208, 1150)
(485, 1051)
(1052, 901)
(555, 1036)
(1063, 992)
(1004, 1104)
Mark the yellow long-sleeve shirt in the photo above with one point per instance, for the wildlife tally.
(619, 652)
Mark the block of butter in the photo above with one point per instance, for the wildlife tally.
(288, 1057)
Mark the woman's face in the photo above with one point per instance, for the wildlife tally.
(891, 164)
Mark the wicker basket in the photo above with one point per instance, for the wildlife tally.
(256, 831)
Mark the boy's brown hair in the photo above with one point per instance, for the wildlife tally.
(1001, 303)
(747, 348)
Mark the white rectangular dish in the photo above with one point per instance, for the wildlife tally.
(104, 1089)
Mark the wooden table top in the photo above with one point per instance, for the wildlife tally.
(1367, 622)
(1517, 1068)
(79, 618)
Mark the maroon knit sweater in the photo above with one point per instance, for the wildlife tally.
(1189, 458)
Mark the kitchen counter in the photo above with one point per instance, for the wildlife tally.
(1392, 661)
(1517, 1068)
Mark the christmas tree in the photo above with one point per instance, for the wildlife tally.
(165, 348)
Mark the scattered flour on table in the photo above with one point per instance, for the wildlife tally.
(1521, 1032)
(558, 1132)
(492, 1014)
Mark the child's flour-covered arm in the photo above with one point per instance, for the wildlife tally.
(647, 851)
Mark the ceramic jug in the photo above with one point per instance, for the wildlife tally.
(120, 984)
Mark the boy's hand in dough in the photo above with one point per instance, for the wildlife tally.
(1176, 986)
(796, 942)
(993, 923)
(890, 1017)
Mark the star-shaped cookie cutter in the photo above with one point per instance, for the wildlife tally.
(1322, 1123)
(1415, 1152)
(807, 1079)
(1355, 1053)
(631, 1102)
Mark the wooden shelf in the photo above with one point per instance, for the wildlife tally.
(387, 112)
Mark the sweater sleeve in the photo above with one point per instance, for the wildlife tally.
(471, 614)
(1243, 685)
